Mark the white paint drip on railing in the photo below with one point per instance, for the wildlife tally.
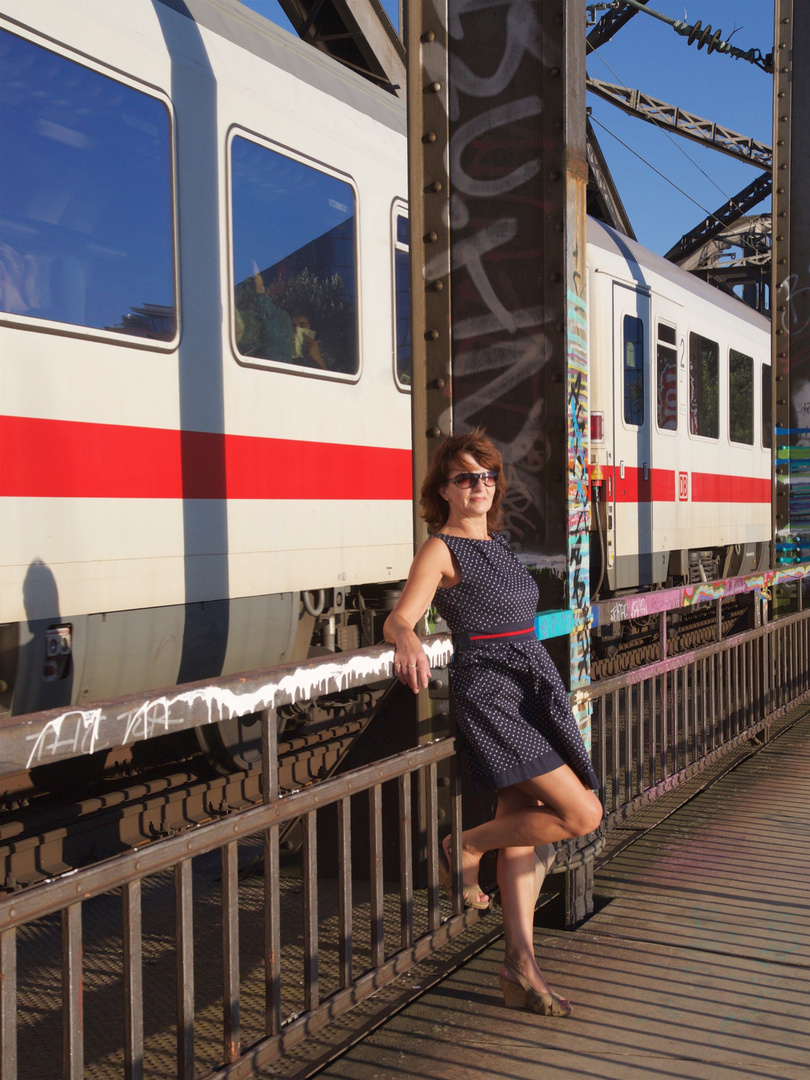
(83, 731)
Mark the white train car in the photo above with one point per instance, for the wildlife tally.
(204, 413)
(204, 356)
(680, 393)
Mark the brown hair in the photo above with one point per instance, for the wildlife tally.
(435, 508)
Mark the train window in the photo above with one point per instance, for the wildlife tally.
(740, 397)
(294, 263)
(402, 299)
(633, 370)
(767, 415)
(667, 378)
(86, 225)
(704, 400)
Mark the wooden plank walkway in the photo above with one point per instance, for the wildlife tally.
(696, 966)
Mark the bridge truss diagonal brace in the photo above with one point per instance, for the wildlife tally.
(689, 125)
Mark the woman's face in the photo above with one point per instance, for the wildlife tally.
(468, 502)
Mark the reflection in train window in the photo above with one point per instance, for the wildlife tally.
(667, 378)
(633, 370)
(402, 300)
(704, 404)
(740, 397)
(86, 232)
(294, 268)
(767, 415)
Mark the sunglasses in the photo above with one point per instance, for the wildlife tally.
(470, 479)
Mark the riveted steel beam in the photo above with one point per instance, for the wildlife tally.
(791, 282)
(358, 33)
(720, 220)
(498, 193)
(610, 23)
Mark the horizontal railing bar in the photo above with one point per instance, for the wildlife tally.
(673, 663)
(58, 734)
(705, 592)
(57, 893)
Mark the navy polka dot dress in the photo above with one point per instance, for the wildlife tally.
(512, 709)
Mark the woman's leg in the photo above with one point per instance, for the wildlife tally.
(517, 881)
(557, 807)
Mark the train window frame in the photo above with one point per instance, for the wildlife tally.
(282, 366)
(399, 208)
(635, 425)
(155, 93)
(694, 433)
(739, 355)
(673, 347)
(766, 417)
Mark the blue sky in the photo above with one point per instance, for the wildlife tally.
(648, 55)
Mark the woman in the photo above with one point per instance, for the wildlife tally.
(512, 710)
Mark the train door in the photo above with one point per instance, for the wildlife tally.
(630, 472)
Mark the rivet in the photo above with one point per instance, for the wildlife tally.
(781, 94)
(780, 191)
(783, 166)
(554, 73)
(436, 186)
(429, 137)
(431, 335)
(435, 87)
(780, 142)
(433, 433)
(784, 119)
(555, 174)
(555, 275)
(431, 237)
(783, 213)
(428, 36)
(439, 383)
(437, 286)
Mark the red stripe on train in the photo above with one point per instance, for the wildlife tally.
(709, 487)
(632, 487)
(67, 459)
(660, 486)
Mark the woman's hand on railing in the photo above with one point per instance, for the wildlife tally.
(411, 665)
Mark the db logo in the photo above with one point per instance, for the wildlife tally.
(683, 486)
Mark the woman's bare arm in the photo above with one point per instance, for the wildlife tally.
(431, 567)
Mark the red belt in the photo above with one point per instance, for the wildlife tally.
(471, 638)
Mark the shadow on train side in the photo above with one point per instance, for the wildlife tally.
(205, 521)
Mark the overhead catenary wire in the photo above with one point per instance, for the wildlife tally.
(709, 214)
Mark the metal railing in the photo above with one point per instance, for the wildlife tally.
(413, 773)
(653, 727)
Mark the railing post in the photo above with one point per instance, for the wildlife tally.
(72, 997)
(133, 981)
(272, 903)
(8, 1005)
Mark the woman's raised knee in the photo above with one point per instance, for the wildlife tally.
(585, 817)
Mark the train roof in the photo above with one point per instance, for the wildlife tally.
(256, 34)
(642, 263)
